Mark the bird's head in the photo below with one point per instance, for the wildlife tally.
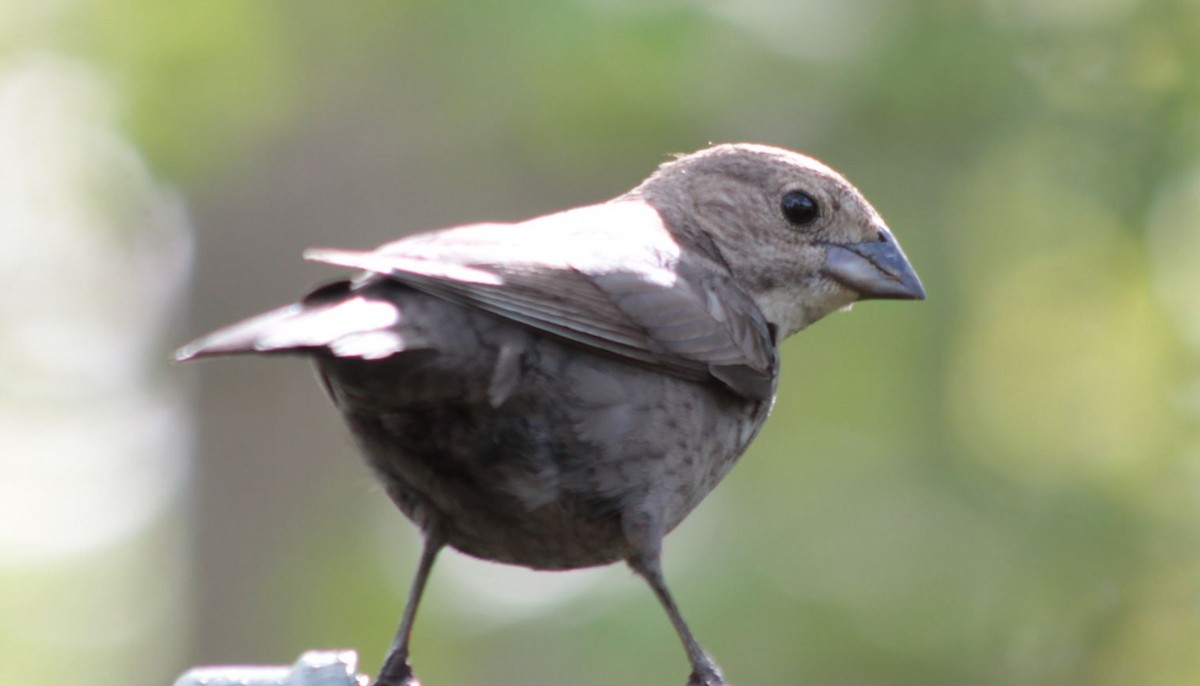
(799, 238)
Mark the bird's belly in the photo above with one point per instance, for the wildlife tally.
(547, 478)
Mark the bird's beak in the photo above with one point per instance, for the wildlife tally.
(876, 270)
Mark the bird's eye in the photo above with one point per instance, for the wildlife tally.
(800, 208)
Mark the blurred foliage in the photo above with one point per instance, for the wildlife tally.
(997, 486)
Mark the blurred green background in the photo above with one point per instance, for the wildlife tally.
(1000, 485)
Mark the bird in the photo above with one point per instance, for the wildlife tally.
(561, 392)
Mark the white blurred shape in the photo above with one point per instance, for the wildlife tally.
(93, 256)
(93, 437)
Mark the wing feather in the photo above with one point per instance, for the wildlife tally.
(609, 277)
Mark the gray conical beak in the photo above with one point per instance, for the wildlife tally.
(876, 270)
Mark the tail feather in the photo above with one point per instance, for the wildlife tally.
(331, 318)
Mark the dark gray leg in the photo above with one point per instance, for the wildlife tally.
(704, 670)
(396, 670)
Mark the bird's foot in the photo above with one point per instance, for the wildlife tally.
(706, 677)
(396, 673)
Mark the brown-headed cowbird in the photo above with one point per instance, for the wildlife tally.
(561, 392)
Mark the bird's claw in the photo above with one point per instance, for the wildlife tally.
(398, 675)
(706, 678)
(405, 680)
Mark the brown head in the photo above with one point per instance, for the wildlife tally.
(799, 238)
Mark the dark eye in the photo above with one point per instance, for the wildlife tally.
(800, 208)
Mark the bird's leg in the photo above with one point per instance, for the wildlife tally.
(704, 670)
(396, 671)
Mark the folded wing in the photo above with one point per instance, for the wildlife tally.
(608, 277)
